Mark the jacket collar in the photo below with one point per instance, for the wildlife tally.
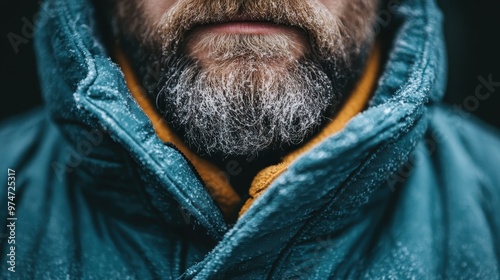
(218, 186)
(83, 88)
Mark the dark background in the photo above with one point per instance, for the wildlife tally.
(472, 30)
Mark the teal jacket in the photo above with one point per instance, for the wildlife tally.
(408, 189)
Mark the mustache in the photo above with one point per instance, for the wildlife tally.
(323, 29)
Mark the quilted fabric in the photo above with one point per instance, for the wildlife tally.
(408, 189)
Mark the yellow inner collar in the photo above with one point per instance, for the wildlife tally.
(214, 179)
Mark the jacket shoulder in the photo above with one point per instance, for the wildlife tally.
(28, 140)
(466, 139)
(23, 131)
(19, 123)
(446, 205)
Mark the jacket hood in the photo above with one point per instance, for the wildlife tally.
(83, 90)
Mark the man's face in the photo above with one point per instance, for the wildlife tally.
(238, 77)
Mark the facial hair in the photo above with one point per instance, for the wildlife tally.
(252, 93)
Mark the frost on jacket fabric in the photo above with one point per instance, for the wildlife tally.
(408, 189)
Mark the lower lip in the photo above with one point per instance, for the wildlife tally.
(256, 28)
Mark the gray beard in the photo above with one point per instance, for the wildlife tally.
(245, 103)
(250, 96)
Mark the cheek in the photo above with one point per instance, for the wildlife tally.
(334, 7)
(154, 9)
(349, 9)
(356, 16)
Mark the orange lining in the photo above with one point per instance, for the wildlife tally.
(214, 179)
